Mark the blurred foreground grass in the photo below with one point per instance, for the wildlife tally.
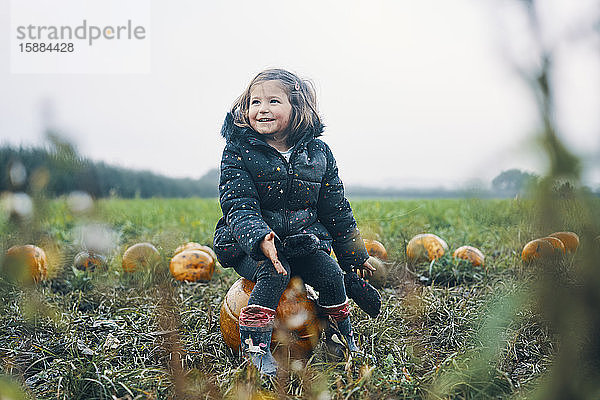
(108, 334)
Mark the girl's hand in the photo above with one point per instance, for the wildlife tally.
(268, 248)
(365, 270)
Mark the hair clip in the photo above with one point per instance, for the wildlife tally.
(297, 86)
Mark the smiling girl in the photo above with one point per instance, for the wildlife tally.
(284, 209)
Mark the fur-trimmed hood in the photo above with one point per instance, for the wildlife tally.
(231, 131)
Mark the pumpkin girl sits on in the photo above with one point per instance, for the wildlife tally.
(284, 209)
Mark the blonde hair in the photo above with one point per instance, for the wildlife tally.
(301, 95)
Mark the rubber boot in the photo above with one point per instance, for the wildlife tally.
(339, 338)
(345, 329)
(256, 345)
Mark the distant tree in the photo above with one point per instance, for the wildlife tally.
(513, 181)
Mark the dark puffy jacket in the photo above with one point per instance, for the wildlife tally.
(260, 191)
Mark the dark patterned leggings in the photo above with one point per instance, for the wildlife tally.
(318, 270)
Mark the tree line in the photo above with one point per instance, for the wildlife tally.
(59, 170)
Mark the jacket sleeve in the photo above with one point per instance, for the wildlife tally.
(336, 215)
(240, 203)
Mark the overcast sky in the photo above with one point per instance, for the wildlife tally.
(413, 93)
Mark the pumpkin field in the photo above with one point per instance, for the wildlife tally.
(447, 328)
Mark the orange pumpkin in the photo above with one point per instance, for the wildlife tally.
(376, 249)
(569, 239)
(296, 322)
(556, 243)
(140, 255)
(537, 249)
(88, 261)
(195, 246)
(470, 253)
(192, 266)
(425, 247)
(26, 263)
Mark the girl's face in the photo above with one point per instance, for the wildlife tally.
(270, 110)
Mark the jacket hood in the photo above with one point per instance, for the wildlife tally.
(231, 131)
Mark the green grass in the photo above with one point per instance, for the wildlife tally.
(466, 333)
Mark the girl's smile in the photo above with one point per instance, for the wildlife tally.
(270, 110)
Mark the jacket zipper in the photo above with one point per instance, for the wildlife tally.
(290, 178)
